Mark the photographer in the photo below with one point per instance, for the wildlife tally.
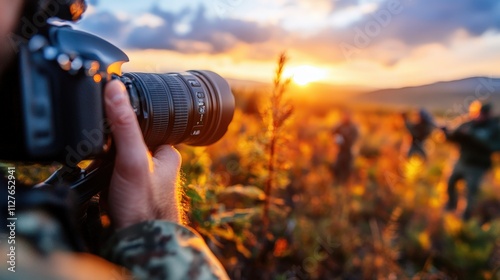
(143, 204)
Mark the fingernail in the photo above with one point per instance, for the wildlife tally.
(116, 95)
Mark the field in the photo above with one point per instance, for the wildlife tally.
(388, 223)
(292, 221)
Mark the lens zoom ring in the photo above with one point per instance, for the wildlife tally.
(181, 108)
(160, 109)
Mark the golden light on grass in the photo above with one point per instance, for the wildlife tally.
(496, 176)
(424, 240)
(452, 224)
(435, 202)
(413, 168)
(358, 190)
(305, 74)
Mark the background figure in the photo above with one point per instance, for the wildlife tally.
(477, 140)
(346, 135)
(420, 131)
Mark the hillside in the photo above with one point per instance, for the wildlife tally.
(437, 96)
(440, 96)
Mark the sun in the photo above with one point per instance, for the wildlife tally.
(305, 74)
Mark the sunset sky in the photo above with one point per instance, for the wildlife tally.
(375, 43)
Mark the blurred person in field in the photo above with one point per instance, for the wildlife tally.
(477, 139)
(419, 130)
(345, 136)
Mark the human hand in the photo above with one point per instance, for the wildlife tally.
(143, 187)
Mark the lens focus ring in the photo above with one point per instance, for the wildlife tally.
(181, 107)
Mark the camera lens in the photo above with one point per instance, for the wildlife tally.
(194, 107)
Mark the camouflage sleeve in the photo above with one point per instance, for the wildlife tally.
(163, 250)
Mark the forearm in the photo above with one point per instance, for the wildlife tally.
(163, 250)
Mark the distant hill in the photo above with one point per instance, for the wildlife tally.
(436, 96)
(440, 96)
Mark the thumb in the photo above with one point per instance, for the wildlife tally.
(127, 134)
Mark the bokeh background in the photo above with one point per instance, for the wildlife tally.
(374, 58)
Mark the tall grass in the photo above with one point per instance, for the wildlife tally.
(276, 116)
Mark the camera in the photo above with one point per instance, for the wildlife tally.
(51, 103)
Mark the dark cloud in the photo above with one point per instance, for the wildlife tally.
(413, 23)
(160, 37)
(219, 34)
(104, 24)
(419, 22)
(141, 38)
(428, 21)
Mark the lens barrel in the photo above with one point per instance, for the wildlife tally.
(194, 107)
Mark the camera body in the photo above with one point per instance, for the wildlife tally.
(57, 101)
(58, 96)
(52, 100)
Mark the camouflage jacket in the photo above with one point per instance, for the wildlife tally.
(39, 245)
(163, 250)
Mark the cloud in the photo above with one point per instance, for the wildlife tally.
(383, 30)
(190, 30)
(427, 21)
(341, 4)
(387, 34)
(105, 24)
(148, 20)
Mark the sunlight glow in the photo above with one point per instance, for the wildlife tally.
(305, 74)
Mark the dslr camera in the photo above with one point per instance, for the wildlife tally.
(51, 103)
